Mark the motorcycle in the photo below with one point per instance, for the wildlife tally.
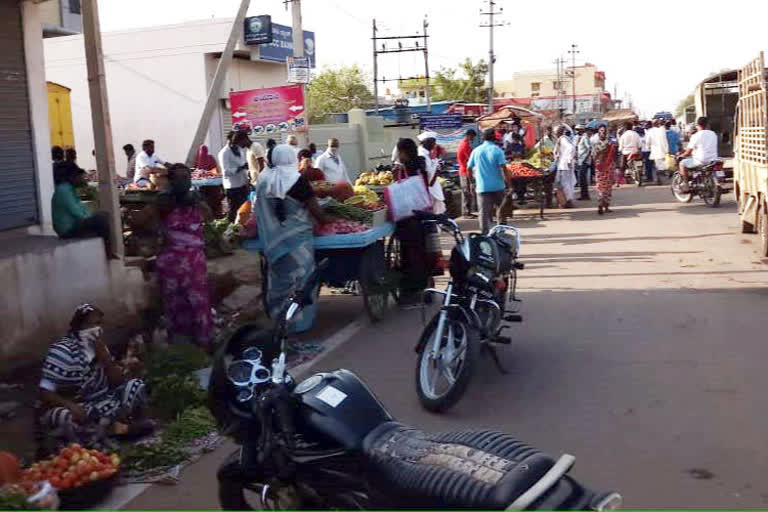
(707, 182)
(328, 443)
(480, 294)
(635, 169)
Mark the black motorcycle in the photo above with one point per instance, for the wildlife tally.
(328, 443)
(480, 294)
(707, 182)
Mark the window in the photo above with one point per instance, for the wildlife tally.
(74, 6)
(535, 89)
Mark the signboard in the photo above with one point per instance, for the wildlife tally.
(435, 122)
(281, 46)
(258, 30)
(298, 70)
(269, 111)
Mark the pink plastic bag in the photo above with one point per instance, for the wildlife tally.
(406, 195)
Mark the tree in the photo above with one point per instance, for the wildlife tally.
(337, 90)
(465, 83)
(688, 100)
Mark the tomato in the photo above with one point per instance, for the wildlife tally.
(62, 463)
(75, 446)
(56, 482)
(74, 458)
(115, 459)
(66, 453)
(66, 483)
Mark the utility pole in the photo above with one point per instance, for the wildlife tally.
(491, 12)
(417, 47)
(375, 69)
(426, 67)
(573, 51)
(102, 125)
(298, 51)
(560, 63)
(218, 81)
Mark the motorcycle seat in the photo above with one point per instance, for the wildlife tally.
(474, 469)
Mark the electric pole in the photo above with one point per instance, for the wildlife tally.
(560, 63)
(573, 51)
(417, 46)
(491, 12)
(298, 51)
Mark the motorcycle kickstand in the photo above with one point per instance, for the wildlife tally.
(495, 357)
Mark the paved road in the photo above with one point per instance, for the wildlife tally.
(642, 353)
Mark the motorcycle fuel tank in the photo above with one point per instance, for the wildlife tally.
(340, 406)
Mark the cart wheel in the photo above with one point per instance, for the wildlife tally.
(394, 267)
(373, 282)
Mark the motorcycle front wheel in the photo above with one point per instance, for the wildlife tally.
(677, 183)
(443, 377)
(711, 192)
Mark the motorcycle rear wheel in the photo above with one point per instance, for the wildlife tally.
(683, 197)
(456, 373)
(711, 192)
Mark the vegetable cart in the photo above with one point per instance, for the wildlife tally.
(533, 179)
(212, 191)
(356, 257)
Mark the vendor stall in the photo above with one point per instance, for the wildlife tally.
(615, 118)
(524, 178)
(210, 185)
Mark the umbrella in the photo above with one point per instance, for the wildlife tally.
(595, 124)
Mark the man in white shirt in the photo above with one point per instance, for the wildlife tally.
(630, 144)
(565, 180)
(658, 145)
(147, 162)
(702, 149)
(428, 142)
(332, 165)
(233, 163)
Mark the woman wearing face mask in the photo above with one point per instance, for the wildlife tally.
(83, 392)
(181, 265)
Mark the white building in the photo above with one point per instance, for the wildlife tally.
(157, 83)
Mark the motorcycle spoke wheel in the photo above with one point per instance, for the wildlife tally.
(439, 373)
(710, 192)
(683, 197)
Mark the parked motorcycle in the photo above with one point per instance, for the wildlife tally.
(707, 182)
(328, 443)
(479, 295)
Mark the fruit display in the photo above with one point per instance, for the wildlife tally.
(368, 194)
(202, 174)
(73, 467)
(540, 158)
(381, 178)
(340, 227)
(339, 191)
(518, 170)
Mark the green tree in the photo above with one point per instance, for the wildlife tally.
(688, 100)
(465, 83)
(337, 90)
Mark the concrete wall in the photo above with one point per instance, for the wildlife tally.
(38, 111)
(44, 279)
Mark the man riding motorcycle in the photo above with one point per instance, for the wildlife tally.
(702, 150)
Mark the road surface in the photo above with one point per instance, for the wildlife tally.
(642, 353)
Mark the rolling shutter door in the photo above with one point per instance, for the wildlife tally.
(18, 186)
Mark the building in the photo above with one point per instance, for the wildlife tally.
(158, 80)
(547, 90)
(43, 277)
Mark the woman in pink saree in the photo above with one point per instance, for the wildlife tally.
(603, 153)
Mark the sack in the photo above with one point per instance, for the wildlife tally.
(403, 197)
(670, 161)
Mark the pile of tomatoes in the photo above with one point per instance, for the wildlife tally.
(516, 170)
(74, 466)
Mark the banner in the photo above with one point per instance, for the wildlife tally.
(281, 46)
(434, 122)
(450, 139)
(257, 30)
(268, 111)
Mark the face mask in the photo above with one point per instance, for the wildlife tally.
(91, 335)
(335, 151)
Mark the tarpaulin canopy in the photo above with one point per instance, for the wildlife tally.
(507, 113)
(619, 116)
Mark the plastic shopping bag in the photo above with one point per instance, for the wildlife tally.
(671, 163)
(403, 197)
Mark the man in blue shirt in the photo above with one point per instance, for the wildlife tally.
(673, 138)
(486, 164)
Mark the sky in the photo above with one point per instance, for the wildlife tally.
(656, 69)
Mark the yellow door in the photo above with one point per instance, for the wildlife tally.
(60, 116)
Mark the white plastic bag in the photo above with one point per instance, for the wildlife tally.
(403, 197)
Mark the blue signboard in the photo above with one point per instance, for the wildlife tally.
(258, 30)
(434, 122)
(281, 46)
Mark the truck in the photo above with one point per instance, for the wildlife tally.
(715, 98)
(751, 151)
